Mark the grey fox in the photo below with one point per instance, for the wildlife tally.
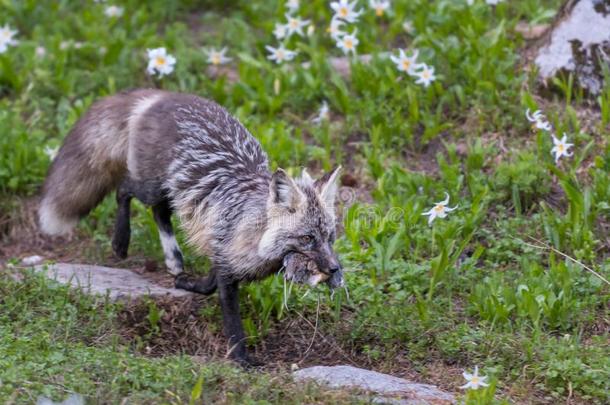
(183, 154)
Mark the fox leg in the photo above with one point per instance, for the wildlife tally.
(232, 325)
(201, 285)
(122, 230)
(173, 255)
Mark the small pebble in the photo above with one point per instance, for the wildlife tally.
(32, 260)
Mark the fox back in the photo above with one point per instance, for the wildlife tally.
(211, 170)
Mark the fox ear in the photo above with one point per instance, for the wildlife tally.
(327, 186)
(284, 191)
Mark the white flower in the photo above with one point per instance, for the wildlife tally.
(538, 119)
(380, 6)
(426, 75)
(65, 45)
(7, 38)
(407, 25)
(348, 43)
(493, 2)
(292, 5)
(345, 10)
(78, 45)
(295, 25)
(335, 28)
(323, 114)
(113, 11)
(280, 54)
(280, 30)
(474, 380)
(160, 62)
(217, 57)
(561, 147)
(40, 52)
(51, 152)
(405, 63)
(439, 210)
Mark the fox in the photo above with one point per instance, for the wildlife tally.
(187, 156)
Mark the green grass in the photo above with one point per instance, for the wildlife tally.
(55, 341)
(489, 285)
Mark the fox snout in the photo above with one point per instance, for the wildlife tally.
(328, 263)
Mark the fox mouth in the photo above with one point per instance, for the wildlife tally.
(301, 269)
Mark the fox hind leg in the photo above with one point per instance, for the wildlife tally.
(122, 230)
(173, 255)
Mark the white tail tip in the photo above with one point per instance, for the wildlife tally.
(52, 223)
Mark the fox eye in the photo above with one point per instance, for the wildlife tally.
(306, 239)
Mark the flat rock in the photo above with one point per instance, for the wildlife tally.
(118, 283)
(578, 42)
(385, 388)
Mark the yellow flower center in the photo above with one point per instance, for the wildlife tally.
(349, 44)
(160, 61)
(343, 11)
(280, 55)
(425, 74)
(475, 380)
(215, 59)
(379, 11)
(294, 23)
(406, 64)
(439, 208)
(560, 147)
(5, 34)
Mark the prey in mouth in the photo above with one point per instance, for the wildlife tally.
(300, 269)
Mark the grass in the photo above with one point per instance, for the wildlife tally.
(489, 285)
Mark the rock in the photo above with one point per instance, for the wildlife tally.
(74, 399)
(578, 42)
(385, 388)
(31, 260)
(119, 283)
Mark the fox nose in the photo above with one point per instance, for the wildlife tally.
(335, 268)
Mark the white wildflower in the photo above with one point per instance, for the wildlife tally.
(439, 210)
(335, 28)
(426, 75)
(405, 63)
(7, 37)
(216, 57)
(50, 151)
(323, 114)
(380, 6)
(407, 25)
(160, 62)
(345, 10)
(493, 2)
(40, 52)
(113, 11)
(280, 31)
(561, 147)
(538, 119)
(280, 54)
(295, 25)
(348, 43)
(474, 381)
(292, 5)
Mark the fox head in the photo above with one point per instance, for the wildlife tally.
(301, 218)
